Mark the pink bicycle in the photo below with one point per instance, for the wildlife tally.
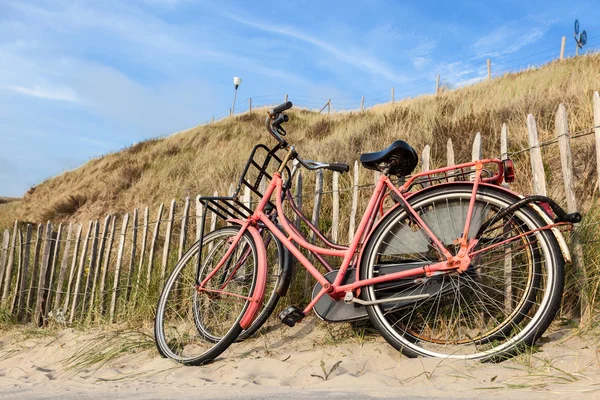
(447, 263)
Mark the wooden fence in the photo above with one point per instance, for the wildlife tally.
(94, 271)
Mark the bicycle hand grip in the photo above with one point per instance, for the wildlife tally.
(282, 107)
(281, 119)
(339, 167)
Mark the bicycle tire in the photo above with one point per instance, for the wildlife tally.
(525, 320)
(177, 306)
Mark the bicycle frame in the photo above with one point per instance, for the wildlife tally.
(353, 252)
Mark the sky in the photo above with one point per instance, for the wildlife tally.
(79, 79)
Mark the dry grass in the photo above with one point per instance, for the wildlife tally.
(208, 158)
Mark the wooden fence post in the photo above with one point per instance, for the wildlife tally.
(354, 208)
(9, 265)
(199, 212)
(106, 263)
(437, 84)
(250, 105)
(425, 158)
(20, 289)
(41, 295)
(131, 271)
(167, 245)
(213, 218)
(35, 268)
(184, 225)
(153, 244)
(53, 268)
(13, 302)
(335, 207)
(285, 99)
(563, 42)
(489, 69)
(4, 254)
(63, 269)
(596, 105)
(72, 271)
(80, 273)
(115, 288)
(315, 222)
(91, 265)
(298, 197)
(98, 264)
(566, 161)
(450, 158)
(142, 252)
(392, 95)
(537, 165)
(507, 251)
(362, 103)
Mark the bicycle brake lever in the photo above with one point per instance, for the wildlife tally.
(281, 131)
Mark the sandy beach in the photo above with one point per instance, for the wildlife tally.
(285, 362)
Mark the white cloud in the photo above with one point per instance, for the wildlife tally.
(363, 62)
(508, 39)
(62, 94)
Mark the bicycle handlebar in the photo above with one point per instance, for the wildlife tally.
(281, 108)
(273, 124)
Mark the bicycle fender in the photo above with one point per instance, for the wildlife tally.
(562, 243)
(261, 275)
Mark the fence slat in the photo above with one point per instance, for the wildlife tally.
(90, 269)
(63, 268)
(72, 271)
(199, 212)
(9, 265)
(98, 266)
(167, 245)
(4, 254)
(425, 158)
(507, 251)
(450, 157)
(213, 217)
(13, 303)
(184, 225)
(142, 252)
(134, 229)
(106, 263)
(21, 288)
(535, 154)
(41, 295)
(55, 254)
(115, 288)
(153, 244)
(566, 161)
(80, 272)
(335, 207)
(297, 197)
(353, 210)
(596, 106)
(35, 268)
(315, 222)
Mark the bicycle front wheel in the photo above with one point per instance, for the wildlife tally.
(504, 301)
(193, 326)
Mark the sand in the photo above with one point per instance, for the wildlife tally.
(284, 362)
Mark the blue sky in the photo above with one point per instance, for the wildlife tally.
(79, 79)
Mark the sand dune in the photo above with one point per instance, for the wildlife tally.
(36, 363)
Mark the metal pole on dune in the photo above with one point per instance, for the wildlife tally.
(236, 83)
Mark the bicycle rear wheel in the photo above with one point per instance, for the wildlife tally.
(194, 327)
(504, 301)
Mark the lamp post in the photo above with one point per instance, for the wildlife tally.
(236, 83)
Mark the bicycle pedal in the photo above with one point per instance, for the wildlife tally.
(291, 315)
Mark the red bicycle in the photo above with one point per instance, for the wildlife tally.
(447, 263)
